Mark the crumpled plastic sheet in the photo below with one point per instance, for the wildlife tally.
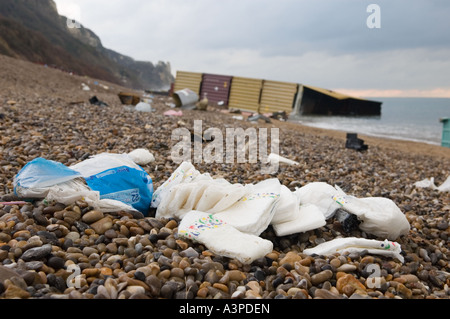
(429, 183)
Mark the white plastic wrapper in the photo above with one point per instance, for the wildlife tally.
(222, 238)
(429, 183)
(353, 244)
(379, 216)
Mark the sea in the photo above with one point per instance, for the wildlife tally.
(412, 119)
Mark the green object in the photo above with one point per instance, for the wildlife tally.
(445, 132)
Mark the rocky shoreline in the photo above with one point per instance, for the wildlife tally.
(127, 256)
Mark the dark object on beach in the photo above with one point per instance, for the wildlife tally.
(95, 101)
(349, 222)
(355, 143)
(129, 98)
(281, 116)
(256, 117)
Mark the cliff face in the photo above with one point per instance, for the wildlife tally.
(33, 30)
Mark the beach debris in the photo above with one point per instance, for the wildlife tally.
(129, 98)
(173, 113)
(141, 156)
(379, 216)
(429, 183)
(235, 111)
(217, 234)
(185, 99)
(281, 115)
(209, 204)
(143, 107)
(256, 117)
(107, 181)
(353, 142)
(202, 105)
(354, 244)
(95, 101)
(85, 87)
(273, 157)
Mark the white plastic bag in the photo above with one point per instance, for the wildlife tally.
(379, 216)
(141, 156)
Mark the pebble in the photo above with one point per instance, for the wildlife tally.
(347, 284)
(346, 268)
(325, 294)
(321, 277)
(92, 216)
(102, 225)
(37, 253)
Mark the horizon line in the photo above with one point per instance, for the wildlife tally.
(411, 93)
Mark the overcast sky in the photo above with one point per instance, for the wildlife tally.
(325, 43)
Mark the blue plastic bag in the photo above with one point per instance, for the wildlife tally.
(128, 185)
(118, 177)
(113, 176)
(41, 173)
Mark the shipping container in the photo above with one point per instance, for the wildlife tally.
(245, 94)
(278, 96)
(216, 87)
(315, 100)
(188, 80)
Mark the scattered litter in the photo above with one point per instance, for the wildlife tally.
(108, 182)
(212, 211)
(143, 107)
(220, 103)
(429, 183)
(202, 105)
(238, 117)
(353, 142)
(379, 216)
(257, 117)
(280, 159)
(117, 177)
(95, 101)
(216, 234)
(141, 156)
(354, 244)
(185, 98)
(129, 98)
(84, 87)
(171, 105)
(281, 115)
(173, 113)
